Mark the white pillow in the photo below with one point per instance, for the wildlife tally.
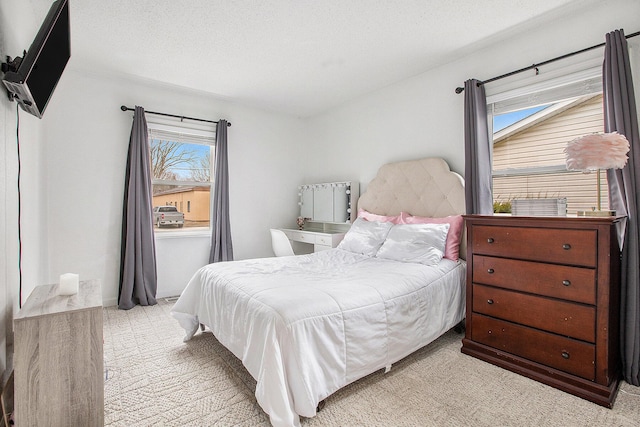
(365, 237)
(419, 243)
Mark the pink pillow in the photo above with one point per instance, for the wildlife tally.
(452, 247)
(379, 218)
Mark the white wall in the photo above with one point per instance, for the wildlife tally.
(7, 238)
(86, 138)
(18, 25)
(423, 116)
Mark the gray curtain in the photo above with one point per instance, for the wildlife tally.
(477, 150)
(620, 115)
(221, 247)
(138, 277)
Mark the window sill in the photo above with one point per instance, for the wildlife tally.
(161, 235)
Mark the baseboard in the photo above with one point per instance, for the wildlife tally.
(109, 302)
(170, 294)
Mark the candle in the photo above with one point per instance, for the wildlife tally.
(68, 284)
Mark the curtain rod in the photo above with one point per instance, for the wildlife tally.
(125, 108)
(535, 66)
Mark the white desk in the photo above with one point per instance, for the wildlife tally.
(321, 240)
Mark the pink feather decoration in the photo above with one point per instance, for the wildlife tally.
(597, 151)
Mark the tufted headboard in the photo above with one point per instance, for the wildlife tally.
(424, 187)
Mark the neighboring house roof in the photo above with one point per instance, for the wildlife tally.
(536, 118)
(181, 190)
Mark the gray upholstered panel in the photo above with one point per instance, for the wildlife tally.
(424, 187)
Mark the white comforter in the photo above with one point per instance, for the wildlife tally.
(305, 326)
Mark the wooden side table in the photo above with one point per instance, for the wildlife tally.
(58, 360)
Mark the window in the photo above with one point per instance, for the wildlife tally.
(181, 168)
(530, 130)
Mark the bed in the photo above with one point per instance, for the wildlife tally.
(305, 326)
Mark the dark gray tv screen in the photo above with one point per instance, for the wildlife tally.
(39, 71)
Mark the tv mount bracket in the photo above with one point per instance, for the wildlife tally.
(12, 65)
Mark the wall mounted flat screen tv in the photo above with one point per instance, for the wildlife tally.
(32, 79)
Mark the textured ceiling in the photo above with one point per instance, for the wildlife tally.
(299, 57)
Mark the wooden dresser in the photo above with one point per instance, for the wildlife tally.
(58, 361)
(543, 300)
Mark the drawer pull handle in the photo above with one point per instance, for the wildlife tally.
(490, 271)
(565, 354)
(490, 240)
(489, 301)
(566, 282)
(566, 246)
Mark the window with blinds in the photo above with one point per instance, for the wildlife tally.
(182, 171)
(531, 127)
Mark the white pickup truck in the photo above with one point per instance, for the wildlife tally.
(167, 215)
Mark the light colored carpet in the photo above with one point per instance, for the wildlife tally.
(154, 379)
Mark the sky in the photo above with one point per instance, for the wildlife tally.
(501, 121)
(183, 170)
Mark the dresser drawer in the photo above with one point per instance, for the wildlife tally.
(560, 246)
(565, 354)
(300, 236)
(558, 281)
(320, 239)
(324, 240)
(561, 317)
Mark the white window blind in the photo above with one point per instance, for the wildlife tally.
(585, 83)
(172, 129)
